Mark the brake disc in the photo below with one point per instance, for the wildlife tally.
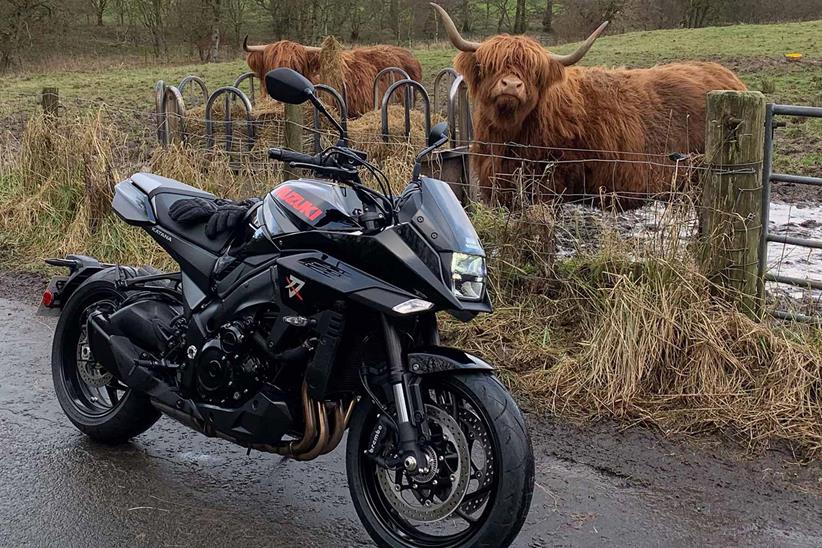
(432, 508)
(485, 474)
(90, 371)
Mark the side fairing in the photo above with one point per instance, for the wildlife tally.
(313, 279)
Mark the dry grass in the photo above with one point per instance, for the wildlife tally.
(657, 347)
(639, 337)
(332, 67)
(628, 330)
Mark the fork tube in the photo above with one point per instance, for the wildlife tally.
(413, 457)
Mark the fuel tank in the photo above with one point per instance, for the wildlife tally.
(310, 204)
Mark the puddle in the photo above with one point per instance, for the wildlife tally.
(798, 221)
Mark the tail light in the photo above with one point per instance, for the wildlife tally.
(48, 298)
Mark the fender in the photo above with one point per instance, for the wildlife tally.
(443, 359)
(60, 288)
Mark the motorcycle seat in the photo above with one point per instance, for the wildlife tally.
(163, 193)
(193, 232)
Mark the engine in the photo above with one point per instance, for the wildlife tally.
(225, 370)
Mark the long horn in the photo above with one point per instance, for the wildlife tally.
(313, 49)
(248, 48)
(453, 34)
(574, 58)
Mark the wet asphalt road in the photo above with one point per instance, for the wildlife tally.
(173, 487)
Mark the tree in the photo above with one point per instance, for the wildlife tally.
(466, 16)
(152, 14)
(99, 7)
(520, 18)
(214, 49)
(236, 12)
(696, 13)
(17, 19)
(548, 17)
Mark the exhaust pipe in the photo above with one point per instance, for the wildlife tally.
(322, 438)
(317, 438)
(341, 419)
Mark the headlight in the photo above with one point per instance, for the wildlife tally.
(468, 273)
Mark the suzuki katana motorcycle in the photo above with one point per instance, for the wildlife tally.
(313, 315)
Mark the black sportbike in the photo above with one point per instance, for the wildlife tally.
(306, 314)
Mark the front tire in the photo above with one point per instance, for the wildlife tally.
(92, 399)
(495, 503)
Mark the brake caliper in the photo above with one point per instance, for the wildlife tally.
(384, 454)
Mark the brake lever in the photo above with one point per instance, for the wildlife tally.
(329, 171)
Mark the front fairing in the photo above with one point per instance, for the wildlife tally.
(433, 211)
(414, 254)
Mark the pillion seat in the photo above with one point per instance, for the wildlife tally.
(163, 192)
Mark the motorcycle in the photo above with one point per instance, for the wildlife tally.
(312, 316)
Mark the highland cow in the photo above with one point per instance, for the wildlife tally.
(587, 132)
(359, 68)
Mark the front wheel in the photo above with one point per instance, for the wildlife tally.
(478, 487)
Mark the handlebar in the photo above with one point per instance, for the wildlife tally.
(289, 156)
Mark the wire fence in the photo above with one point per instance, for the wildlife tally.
(658, 215)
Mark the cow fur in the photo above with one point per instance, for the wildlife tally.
(360, 68)
(590, 131)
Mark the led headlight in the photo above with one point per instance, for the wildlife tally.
(468, 273)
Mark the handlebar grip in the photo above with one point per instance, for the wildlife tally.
(285, 155)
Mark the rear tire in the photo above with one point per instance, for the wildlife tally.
(109, 413)
(502, 516)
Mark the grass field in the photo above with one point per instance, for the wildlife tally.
(754, 50)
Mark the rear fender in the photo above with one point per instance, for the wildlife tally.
(60, 288)
(83, 269)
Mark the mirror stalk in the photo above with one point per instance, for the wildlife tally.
(415, 176)
(319, 106)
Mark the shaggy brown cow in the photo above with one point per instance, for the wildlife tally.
(360, 67)
(607, 130)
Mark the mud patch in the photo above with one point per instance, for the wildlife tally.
(24, 286)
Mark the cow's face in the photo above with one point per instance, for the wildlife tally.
(507, 75)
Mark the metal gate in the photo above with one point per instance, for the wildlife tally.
(768, 178)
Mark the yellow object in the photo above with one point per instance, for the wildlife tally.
(793, 56)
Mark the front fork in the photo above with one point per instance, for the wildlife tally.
(412, 423)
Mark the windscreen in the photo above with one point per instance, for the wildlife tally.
(445, 224)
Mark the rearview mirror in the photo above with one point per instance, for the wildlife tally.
(288, 86)
(437, 134)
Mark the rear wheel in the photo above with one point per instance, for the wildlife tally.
(91, 397)
(478, 488)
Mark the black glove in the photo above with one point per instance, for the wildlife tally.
(228, 215)
(225, 218)
(192, 210)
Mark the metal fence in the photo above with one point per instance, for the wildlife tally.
(171, 110)
(769, 178)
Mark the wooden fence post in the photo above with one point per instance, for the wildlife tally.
(731, 211)
(50, 99)
(293, 133)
